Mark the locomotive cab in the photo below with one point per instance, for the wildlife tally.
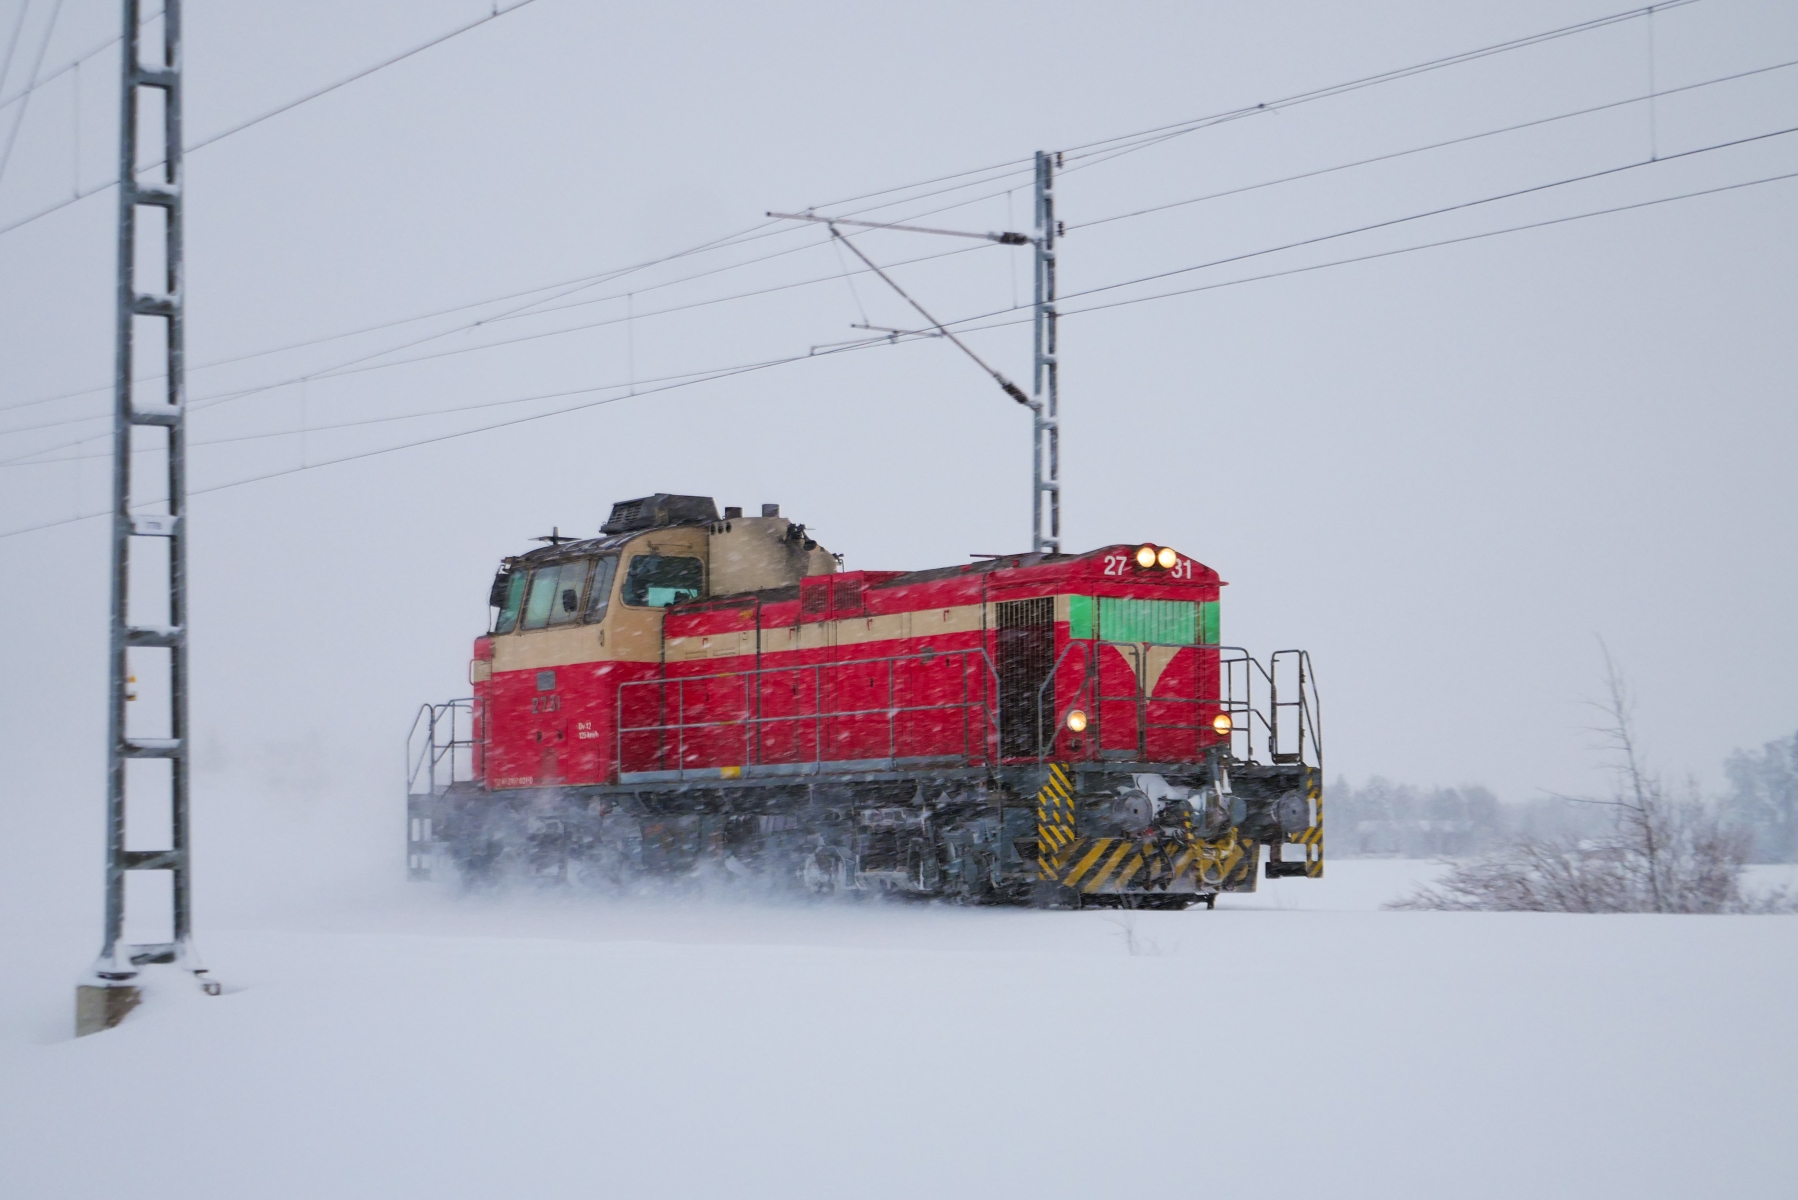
(576, 618)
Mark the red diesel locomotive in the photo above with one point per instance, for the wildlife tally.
(691, 692)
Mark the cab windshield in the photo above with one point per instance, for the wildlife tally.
(557, 593)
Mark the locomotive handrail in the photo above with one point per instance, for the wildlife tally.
(1232, 661)
(1248, 720)
(1042, 751)
(1252, 724)
(1237, 669)
(754, 722)
(1309, 704)
(416, 760)
(425, 756)
(1141, 698)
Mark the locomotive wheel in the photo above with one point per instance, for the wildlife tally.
(1046, 893)
(483, 846)
(480, 864)
(822, 872)
(922, 869)
(977, 881)
(1138, 900)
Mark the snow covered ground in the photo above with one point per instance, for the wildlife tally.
(1297, 1039)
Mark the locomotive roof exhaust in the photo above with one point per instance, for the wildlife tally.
(666, 508)
(652, 512)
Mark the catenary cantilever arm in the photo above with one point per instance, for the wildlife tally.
(1011, 389)
(1004, 239)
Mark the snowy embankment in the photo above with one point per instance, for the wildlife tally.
(1297, 1039)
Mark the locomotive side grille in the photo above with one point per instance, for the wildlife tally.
(848, 598)
(1026, 658)
(626, 514)
(1175, 622)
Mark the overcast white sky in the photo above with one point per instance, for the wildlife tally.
(1446, 473)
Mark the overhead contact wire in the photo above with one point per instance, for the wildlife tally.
(1005, 167)
(343, 369)
(205, 402)
(287, 107)
(1455, 141)
(1159, 133)
(883, 341)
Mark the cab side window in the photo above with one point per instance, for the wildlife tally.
(656, 581)
(599, 592)
(513, 601)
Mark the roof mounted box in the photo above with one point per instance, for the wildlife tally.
(653, 512)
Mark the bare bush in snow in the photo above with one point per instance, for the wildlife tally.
(1664, 854)
(1135, 944)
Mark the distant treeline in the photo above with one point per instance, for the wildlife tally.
(1381, 818)
(1763, 798)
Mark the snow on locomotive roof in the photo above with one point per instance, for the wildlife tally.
(664, 510)
(877, 580)
(562, 550)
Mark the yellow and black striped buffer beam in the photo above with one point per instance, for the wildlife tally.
(1312, 839)
(1113, 865)
(1054, 820)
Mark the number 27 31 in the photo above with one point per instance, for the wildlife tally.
(1119, 564)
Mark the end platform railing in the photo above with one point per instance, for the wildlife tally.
(439, 752)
